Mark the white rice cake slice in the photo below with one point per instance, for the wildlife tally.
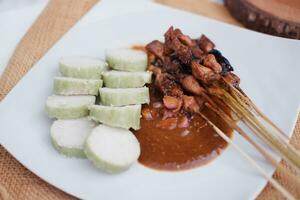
(119, 79)
(112, 149)
(122, 116)
(76, 86)
(124, 96)
(68, 136)
(82, 67)
(126, 59)
(68, 107)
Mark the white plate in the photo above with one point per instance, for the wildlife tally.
(269, 70)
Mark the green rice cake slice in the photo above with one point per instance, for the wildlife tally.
(75, 86)
(121, 79)
(82, 67)
(68, 136)
(124, 96)
(126, 59)
(112, 149)
(68, 107)
(117, 116)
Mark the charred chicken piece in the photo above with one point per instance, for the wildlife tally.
(226, 66)
(190, 104)
(185, 39)
(198, 53)
(204, 74)
(157, 48)
(190, 84)
(183, 52)
(211, 62)
(206, 44)
(172, 67)
(170, 35)
(174, 45)
(167, 85)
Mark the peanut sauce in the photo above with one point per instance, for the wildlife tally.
(172, 144)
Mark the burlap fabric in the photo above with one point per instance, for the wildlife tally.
(16, 182)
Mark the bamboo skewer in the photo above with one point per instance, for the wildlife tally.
(242, 98)
(267, 156)
(274, 183)
(257, 131)
(279, 167)
(275, 141)
(233, 125)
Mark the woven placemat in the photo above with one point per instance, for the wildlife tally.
(16, 182)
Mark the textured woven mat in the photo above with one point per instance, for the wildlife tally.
(16, 182)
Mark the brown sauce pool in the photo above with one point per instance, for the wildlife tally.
(165, 146)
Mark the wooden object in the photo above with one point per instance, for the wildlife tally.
(275, 17)
(203, 7)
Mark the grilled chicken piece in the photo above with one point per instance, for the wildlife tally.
(190, 104)
(226, 66)
(185, 39)
(204, 74)
(171, 66)
(206, 44)
(170, 35)
(167, 85)
(198, 53)
(211, 62)
(190, 84)
(174, 45)
(157, 48)
(183, 52)
(215, 90)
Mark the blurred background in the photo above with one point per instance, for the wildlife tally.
(6, 5)
(275, 17)
(15, 4)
